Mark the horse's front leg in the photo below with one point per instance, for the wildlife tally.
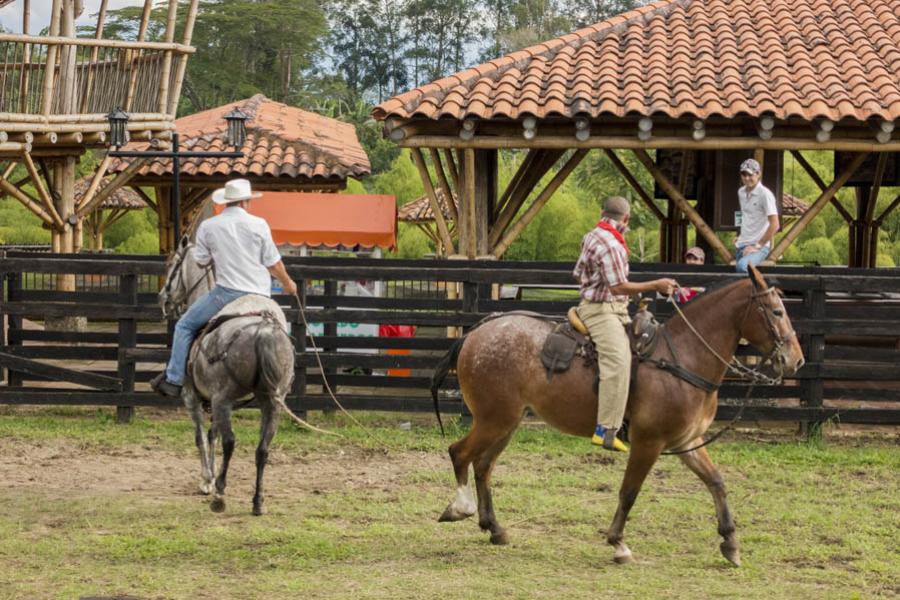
(699, 462)
(642, 457)
(222, 426)
(206, 469)
(268, 427)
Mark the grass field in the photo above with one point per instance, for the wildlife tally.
(92, 508)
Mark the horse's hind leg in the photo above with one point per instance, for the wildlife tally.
(222, 426)
(268, 426)
(640, 461)
(699, 462)
(484, 465)
(463, 505)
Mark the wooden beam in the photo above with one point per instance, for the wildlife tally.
(43, 194)
(117, 182)
(451, 167)
(175, 94)
(811, 171)
(634, 183)
(538, 203)
(888, 210)
(432, 199)
(540, 166)
(29, 203)
(876, 186)
(50, 67)
(445, 185)
(95, 182)
(817, 207)
(471, 246)
(167, 61)
(9, 169)
(524, 166)
(681, 202)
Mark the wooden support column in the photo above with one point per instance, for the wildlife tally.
(485, 197)
(166, 227)
(445, 185)
(539, 165)
(702, 228)
(432, 199)
(539, 202)
(467, 243)
(817, 207)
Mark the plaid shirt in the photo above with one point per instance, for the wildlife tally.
(603, 264)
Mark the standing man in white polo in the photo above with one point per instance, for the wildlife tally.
(245, 258)
(759, 218)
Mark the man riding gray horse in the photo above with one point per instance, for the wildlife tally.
(241, 249)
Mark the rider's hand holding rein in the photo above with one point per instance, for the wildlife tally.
(665, 286)
(280, 273)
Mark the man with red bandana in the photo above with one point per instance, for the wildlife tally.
(602, 272)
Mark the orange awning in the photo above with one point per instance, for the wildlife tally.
(331, 220)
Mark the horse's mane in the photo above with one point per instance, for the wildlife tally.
(716, 289)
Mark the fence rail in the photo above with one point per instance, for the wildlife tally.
(848, 321)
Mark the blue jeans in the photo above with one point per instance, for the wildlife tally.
(191, 323)
(753, 258)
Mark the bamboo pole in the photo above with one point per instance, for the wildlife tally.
(26, 59)
(50, 67)
(167, 61)
(67, 60)
(685, 207)
(633, 143)
(634, 183)
(471, 223)
(811, 171)
(454, 172)
(53, 41)
(539, 203)
(22, 197)
(43, 194)
(95, 182)
(120, 180)
(445, 186)
(817, 207)
(432, 199)
(95, 50)
(182, 60)
(9, 169)
(136, 55)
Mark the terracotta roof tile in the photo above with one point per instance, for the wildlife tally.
(419, 210)
(787, 58)
(278, 136)
(124, 197)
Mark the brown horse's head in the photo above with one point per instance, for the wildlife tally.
(768, 327)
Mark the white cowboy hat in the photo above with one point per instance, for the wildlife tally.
(234, 191)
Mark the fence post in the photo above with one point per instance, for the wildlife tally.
(813, 389)
(329, 330)
(2, 314)
(470, 305)
(14, 322)
(298, 328)
(127, 339)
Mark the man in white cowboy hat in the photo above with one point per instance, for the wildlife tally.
(245, 257)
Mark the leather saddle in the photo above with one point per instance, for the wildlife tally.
(572, 338)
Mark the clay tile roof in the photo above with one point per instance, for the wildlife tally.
(419, 210)
(791, 206)
(786, 58)
(282, 142)
(124, 197)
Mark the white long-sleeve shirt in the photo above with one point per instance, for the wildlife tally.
(241, 247)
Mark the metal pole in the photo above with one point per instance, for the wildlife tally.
(176, 189)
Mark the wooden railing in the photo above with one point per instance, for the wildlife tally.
(50, 77)
(848, 321)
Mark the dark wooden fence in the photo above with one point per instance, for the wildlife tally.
(848, 319)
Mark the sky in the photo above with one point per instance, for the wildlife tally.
(11, 15)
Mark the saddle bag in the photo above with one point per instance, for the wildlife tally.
(561, 347)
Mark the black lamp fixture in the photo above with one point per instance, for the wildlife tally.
(237, 127)
(118, 119)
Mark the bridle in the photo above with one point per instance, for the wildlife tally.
(734, 366)
(181, 256)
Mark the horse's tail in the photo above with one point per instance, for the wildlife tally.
(269, 376)
(440, 374)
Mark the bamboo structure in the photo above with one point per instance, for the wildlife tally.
(55, 93)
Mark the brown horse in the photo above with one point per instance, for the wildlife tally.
(500, 375)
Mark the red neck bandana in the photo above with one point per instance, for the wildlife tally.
(612, 229)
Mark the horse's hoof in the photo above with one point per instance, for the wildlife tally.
(731, 552)
(623, 555)
(451, 513)
(217, 504)
(499, 538)
(206, 488)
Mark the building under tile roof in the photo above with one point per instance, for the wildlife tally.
(124, 197)
(805, 59)
(286, 148)
(419, 210)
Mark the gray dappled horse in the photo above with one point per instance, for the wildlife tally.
(249, 353)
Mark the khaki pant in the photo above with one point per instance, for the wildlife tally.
(605, 322)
